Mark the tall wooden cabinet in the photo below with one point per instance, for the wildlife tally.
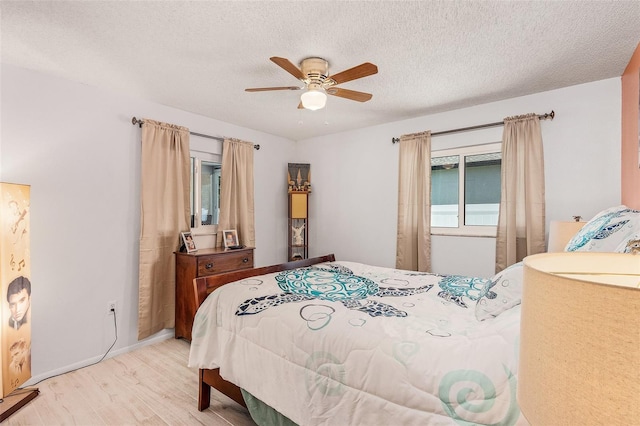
(201, 264)
(299, 182)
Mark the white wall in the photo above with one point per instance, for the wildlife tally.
(353, 208)
(75, 145)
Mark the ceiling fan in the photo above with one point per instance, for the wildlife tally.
(314, 73)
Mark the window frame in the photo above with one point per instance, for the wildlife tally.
(198, 157)
(463, 230)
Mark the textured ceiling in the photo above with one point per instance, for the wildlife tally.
(432, 56)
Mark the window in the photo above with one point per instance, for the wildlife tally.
(465, 190)
(205, 192)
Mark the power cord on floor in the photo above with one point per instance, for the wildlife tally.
(115, 327)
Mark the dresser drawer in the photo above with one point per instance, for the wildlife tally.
(225, 262)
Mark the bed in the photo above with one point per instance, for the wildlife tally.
(326, 342)
(349, 343)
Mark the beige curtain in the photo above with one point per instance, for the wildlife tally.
(236, 192)
(522, 209)
(413, 251)
(164, 198)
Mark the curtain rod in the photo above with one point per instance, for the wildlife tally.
(135, 121)
(545, 116)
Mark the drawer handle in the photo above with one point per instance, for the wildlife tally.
(245, 260)
(208, 265)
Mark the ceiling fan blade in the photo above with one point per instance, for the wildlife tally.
(362, 70)
(286, 65)
(350, 94)
(265, 89)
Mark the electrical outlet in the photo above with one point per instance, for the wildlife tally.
(111, 307)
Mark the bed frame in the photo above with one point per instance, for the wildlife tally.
(205, 285)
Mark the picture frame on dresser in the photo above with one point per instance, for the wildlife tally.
(230, 238)
(188, 242)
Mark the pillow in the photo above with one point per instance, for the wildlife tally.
(607, 231)
(505, 292)
(631, 245)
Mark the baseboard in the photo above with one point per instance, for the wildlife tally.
(158, 337)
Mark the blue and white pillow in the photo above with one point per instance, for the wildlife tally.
(607, 231)
(504, 292)
(631, 245)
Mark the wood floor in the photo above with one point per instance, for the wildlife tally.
(151, 385)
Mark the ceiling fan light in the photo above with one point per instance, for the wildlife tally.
(313, 99)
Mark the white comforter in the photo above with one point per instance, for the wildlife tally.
(365, 352)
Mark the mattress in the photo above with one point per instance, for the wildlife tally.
(345, 343)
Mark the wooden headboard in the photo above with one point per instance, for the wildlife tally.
(204, 285)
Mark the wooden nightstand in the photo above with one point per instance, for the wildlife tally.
(202, 263)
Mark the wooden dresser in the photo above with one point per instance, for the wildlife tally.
(202, 263)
